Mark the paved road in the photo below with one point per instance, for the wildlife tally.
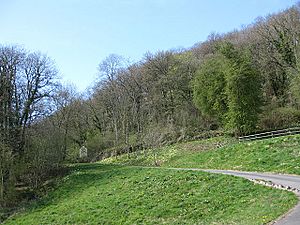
(293, 217)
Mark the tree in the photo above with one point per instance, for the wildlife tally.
(209, 87)
(11, 59)
(27, 81)
(109, 70)
(277, 52)
(40, 81)
(243, 90)
(228, 86)
(6, 174)
(64, 98)
(167, 76)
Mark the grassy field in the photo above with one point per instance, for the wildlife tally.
(280, 155)
(106, 194)
(162, 156)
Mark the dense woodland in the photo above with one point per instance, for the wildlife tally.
(236, 83)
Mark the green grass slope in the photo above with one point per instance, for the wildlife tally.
(107, 194)
(163, 155)
(281, 155)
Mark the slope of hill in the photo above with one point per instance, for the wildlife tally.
(281, 155)
(110, 194)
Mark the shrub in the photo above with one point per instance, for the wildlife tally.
(96, 144)
(279, 118)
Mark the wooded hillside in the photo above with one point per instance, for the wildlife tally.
(237, 83)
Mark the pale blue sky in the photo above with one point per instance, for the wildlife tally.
(78, 34)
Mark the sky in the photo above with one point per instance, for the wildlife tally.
(79, 34)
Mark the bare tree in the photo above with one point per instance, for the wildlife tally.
(108, 70)
(27, 81)
(64, 98)
(40, 77)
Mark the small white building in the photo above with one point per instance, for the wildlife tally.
(83, 152)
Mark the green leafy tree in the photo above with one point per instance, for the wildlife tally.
(228, 86)
(243, 90)
(209, 87)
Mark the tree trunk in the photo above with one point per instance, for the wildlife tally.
(116, 132)
(2, 186)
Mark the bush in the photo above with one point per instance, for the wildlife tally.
(95, 144)
(44, 154)
(157, 136)
(279, 118)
